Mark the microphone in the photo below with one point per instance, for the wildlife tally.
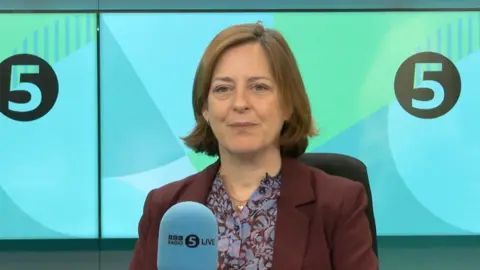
(188, 238)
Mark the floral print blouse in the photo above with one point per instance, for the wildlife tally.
(246, 239)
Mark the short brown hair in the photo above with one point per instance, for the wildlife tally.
(299, 127)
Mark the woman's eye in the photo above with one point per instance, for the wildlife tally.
(220, 89)
(260, 87)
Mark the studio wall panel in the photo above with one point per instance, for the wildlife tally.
(48, 126)
(208, 5)
(361, 71)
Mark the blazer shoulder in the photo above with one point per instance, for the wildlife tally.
(333, 182)
(334, 190)
(157, 203)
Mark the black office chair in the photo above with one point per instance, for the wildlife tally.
(348, 167)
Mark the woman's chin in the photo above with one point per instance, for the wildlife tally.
(244, 149)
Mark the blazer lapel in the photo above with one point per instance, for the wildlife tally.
(292, 226)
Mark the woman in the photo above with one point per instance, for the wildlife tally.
(252, 111)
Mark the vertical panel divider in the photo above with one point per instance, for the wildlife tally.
(99, 139)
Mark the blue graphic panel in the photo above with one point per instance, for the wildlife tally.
(421, 170)
(49, 166)
(445, 148)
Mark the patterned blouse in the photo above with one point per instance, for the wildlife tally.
(246, 239)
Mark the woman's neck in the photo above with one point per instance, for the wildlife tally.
(246, 172)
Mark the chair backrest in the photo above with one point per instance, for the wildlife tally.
(350, 168)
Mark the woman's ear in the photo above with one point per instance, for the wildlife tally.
(205, 115)
(287, 112)
(287, 116)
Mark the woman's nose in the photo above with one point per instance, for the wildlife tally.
(240, 102)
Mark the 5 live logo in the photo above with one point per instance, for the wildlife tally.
(435, 93)
(34, 75)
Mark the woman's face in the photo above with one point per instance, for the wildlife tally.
(244, 108)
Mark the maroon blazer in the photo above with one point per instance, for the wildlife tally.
(321, 223)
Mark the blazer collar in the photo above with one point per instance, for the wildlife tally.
(292, 226)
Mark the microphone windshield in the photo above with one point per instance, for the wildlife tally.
(187, 238)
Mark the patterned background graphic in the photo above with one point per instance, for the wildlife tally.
(48, 167)
(421, 171)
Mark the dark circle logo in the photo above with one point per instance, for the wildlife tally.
(44, 78)
(444, 81)
(192, 241)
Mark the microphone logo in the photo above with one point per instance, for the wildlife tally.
(192, 241)
(37, 81)
(175, 239)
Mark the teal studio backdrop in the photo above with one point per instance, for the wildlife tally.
(74, 173)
